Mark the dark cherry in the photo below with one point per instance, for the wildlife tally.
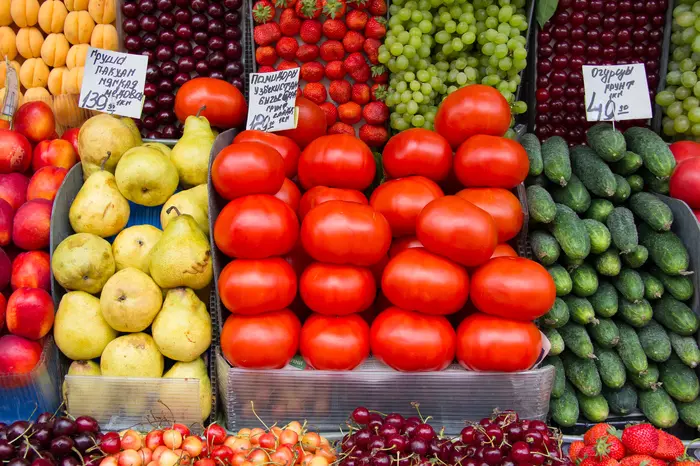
(595, 5)
(154, 134)
(199, 53)
(69, 461)
(165, 5)
(641, 20)
(184, 32)
(562, 48)
(165, 86)
(651, 65)
(183, 16)
(149, 54)
(232, 18)
(165, 116)
(149, 23)
(150, 90)
(607, 37)
(43, 462)
(233, 50)
(545, 51)
(216, 74)
(542, 81)
(217, 60)
(638, 6)
(577, 18)
(61, 446)
(653, 51)
(199, 22)
(544, 38)
(199, 6)
(169, 132)
(556, 107)
(83, 441)
(201, 37)
(147, 6)
(182, 3)
(165, 101)
(639, 50)
(217, 43)
(556, 92)
(640, 35)
(559, 77)
(578, 48)
(215, 27)
(233, 4)
(164, 52)
(233, 69)
(132, 43)
(560, 62)
(130, 10)
(169, 68)
(578, 33)
(149, 40)
(592, 35)
(131, 26)
(593, 20)
(167, 37)
(658, 20)
(181, 78)
(624, 6)
(215, 10)
(575, 77)
(625, 20)
(232, 33)
(540, 119)
(182, 48)
(18, 462)
(7, 450)
(610, 8)
(652, 6)
(609, 22)
(593, 50)
(64, 426)
(43, 418)
(238, 82)
(560, 32)
(655, 35)
(561, 18)
(43, 435)
(623, 36)
(186, 64)
(150, 122)
(166, 20)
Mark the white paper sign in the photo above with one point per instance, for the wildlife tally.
(272, 99)
(616, 92)
(113, 82)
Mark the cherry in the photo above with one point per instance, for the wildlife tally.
(215, 10)
(593, 21)
(233, 69)
(169, 68)
(561, 18)
(377, 443)
(165, 86)
(147, 6)
(424, 431)
(580, 5)
(131, 26)
(641, 20)
(544, 38)
(199, 5)
(640, 35)
(232, 33)
(362, 436)
(150, 135)
(577, 18)
(560, 32)
(184, 32)
(542, 81)
(468, 434)
(398, 443)
(167, 37)
(7, 450)
(149, 55)
(181, 78)
(164, 53)
(132, 43)
(576, 78)
(418, 446)
(556, 106)
(232, 18)
(83, 441)
(578, 33)
(150, 90)
(199, 21)
(233, 4)
(149, 23)
(393, 419)
(560, 62)
(182, 48)
(183, 16)
(215, 27)
(216, 74)
(130, 10)
(199, 52)
(609, 53)
(166, 116)
(592, 35)
(149, 40)
(658, 20)
(61, 445)
(543, 107)
(607, 37)
(201, 37)
(545, 51)
(544, 66)
(217, 43)
(562, 48)
(556, 91)
(166, 20)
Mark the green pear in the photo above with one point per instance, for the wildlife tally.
(130, 300)
(79, 329)
(196, 369)
(191, 153)
(182, 257)
(80, 368)
(83, 262)
(182, 329)
(132, 355)
(188, 202)
(146, 176)
(105, 136)
(160, 146)
(132, 247)
(133, 128)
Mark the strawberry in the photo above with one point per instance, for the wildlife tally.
(360, 93)
(340, 91)
(349, 113)
(642, 439)
(356, 20)
(334, 29)
(284, 3)
(377, 7)
(641, 460)
(609, 462)
(310, 31)
(290, 24)
(287, 65)
(287, 48)
(358, 4)
(263, 11)
(587, 456)
(610, 445)
(307, 53)
(311, 72)
(380, 75)
(266, 34)
(309, 9)
(265, 55)
(353, 41)
(378, 92)
(374, 135)
(315, 92)
(360, 74)
(354, 60)
(335, 70)
(341, 128)
(669, 448)
(266, 68)
(371, 48)
(334, 8)
(596, 432)
(332, 50)
(375, 113)
(685, 461)
(331, 112)
(575, 448)
(375, 28)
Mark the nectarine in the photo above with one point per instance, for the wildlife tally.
(30, 313)
(5, 267)
(6, 216)
(54, 152)
(32, 270)
(18, 355)
(13, 188)
(32, 225)
(45, 183)
(71, 135)
(15, 152)
(35, 121)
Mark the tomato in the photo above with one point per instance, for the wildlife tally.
(263, 341)
(247, 168)
(256, 227)
(458, 230)
(311, 123)
(502, 205)
(286, 147)
(504, 250)
(471, 110)
(341, 232)
(378, 269)
(337, 161)
(489, 343)
(289, 194)
(411, 341)
(685, 182)
(320, 194)
(337, 289)
(514, 288)
(257, 286)
(492, 162)
(401, 244)
(334, 343)
(217, 100)
(684, 150)
(400, 201)
(417, 151)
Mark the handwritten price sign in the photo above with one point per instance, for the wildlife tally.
(272, 100)
(616, 92)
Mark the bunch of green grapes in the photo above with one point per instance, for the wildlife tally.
(434, 47)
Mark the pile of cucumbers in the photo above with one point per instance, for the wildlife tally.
(622, 334)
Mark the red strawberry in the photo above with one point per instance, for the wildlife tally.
(265, 55)
(686, 461)
(377, 7)
(331, 112)
(358, 4)
(360, 93)
(587, 456)
(575, 448)
(307, 53)
(341, 128)
(284, 3)
(361, 74)
(371, 48)
(641, 460)
(265, 69)
(287, 48)
(356, 20)
(334, 8)
(290, 24)
(310, 31)
(332, 50)
(597, 431)
(340, 91)
(315, 92)
(669, 448)
(309, 9)
(642, 439)
(311, 72)
(380, 75)
(378, 92)
(334, 29)
(353, 41)
(287, 65)
(610, 445)
(266, 34)
(375, 113)
(335, 70)
(263, 11)
(375, 28)
(354, 60)
(374, 135)
(349, 113)
(609, 462)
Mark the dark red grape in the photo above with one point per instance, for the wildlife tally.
(131, 26)
(183, 16)
(130, 10)
(199, 22)
(147, 6)
(199, 53)
(181, 78)
(149, 40)
(201, 37)
(166, 20)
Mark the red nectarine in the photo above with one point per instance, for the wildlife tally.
(32, 225)
(15, 152)
(32, 270)
(13, 188)
(18, 355)
(5, 268)
(3, 306)
(35, 120)
(6, 216)
(54, 152)
(29, 313)
(71, 135)
(45, 182)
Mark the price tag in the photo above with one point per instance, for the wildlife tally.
(271, 101)
(113, 82)
(616, 92)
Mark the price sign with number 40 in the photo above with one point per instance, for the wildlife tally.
(616, 92)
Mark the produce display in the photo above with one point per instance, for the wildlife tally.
(683, 184)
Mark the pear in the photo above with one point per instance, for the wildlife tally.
(194, 202)
(130, 300)
(132, 355)
(81, 368)
(131, 124)
(99, 208)
(182, 329)
(105, 136)
(83, 262)
(196, 369)
(132, 247)
(191, 153)
(146, 176)
(182, 257)
(79, 329)
(160, 146)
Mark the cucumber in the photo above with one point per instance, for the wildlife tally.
(555, 158)
(630, 350)
(593, 172)
(653, 288)
(557, 316)
(622, 191)
(585, 281)
(648, 380)
(555, 341)
(690, 413)
(569, 263)
(622, 401)
(658, 408)
(531, 144)
(666, 250)
(652, 210)
(654, 151)
(582, 373)
(574, 195)
(623, 231)
(636, 257)
(654, 184)
(680, 286)
(609, 263)
(577, 340)
(605, 333)
(655, 341)
(604, 300)
(593, 408)
(636, 314)
(544, 247)
(599, 234)
(607, 142)
(540, 204)
(610, 367)
(580, 310)
(562, 279)
(539, 180)
(571, 233)
(565, 410)
(636, 183)
(679, 380)
(599, 210)
(629, 164)
(630, 285)
(675, 316)
(686, 348)
(559, 375)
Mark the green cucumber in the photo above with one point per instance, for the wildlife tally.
(593, 172)
(569, 263)
(609, 263)
(630, 285)
(686, 348)
(582, 373)
(679, 380)
(604, 300)
(651, 210)
(565, 410)
(571, 233)
(599, 234)
(680, 286)
(555, 158)
(622, 401)
(657, 157)
(647, 380)
(559, 376)
(636, 257)
(599, 210)
(544, 247)
(653, 288)
(610, 367)
(604, 333)
(562, 279)
(580, 310)
(623, 231)
(593, 408)
(636, 183)
(655, 341)
(576, 340)
(690, 413)
(555, 341)
(538, 180)
(653, 183)
(666, 250)
(630, 350)
(557, 316)
(607, 142)
(585, 281)
(629, 164)
(622, 191)
(540, 204)
(675, 316)
(531, 144)
(574, 195)
(636, 314)
(658, 408)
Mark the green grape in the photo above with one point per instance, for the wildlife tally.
(688, 79)
(520, 64)
(505, 64)
(491, 22)
(416, 16)
(682, 93)
(426, 89)
(501, 38)
(403, 37)
(418, 121)
(505, 14)
(665, 98)
(696, 45)
(457, 44)
(673, 78)
(415, 42)
(400, 108)
(668, 129)
(402, 62)
(414, 86)
(519, 107)
(468, 38)
(409, 51)
(396, 49)
(409, 76)
(681, 124)
(404, 14)
(686, 19)
(681, 53)
(688, 35)
(411, 107)
(450, 26)
(694, 115)
(695, 130)
(510, 134)
(674, 110)
(519, 54)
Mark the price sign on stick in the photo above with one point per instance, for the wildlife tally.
(616, 92)
(272, 98)
(113, 82)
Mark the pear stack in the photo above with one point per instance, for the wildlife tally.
(133, 307)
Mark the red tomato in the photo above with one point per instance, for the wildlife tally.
(458, 230)
(286, 147)
(331, 289)
(697, 214)
(492, 162)
(418, 280)
(320, 194)
(401, 244)
(217, 100)
(417, 151)
(341, 232)
(489, 343)
(684, 150)
(411, 341)
(471, 110)
(257, 286)
(337, 161)
(263, 341)
(400, 201)
(256, 227)
(504, 250)
(311, 123)
(247, 168)
(501, 205)
(378, 270)
(334, 343)
(514, 288)
(685, 182)
(289, 194)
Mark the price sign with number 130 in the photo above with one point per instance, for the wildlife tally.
(616, 92)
